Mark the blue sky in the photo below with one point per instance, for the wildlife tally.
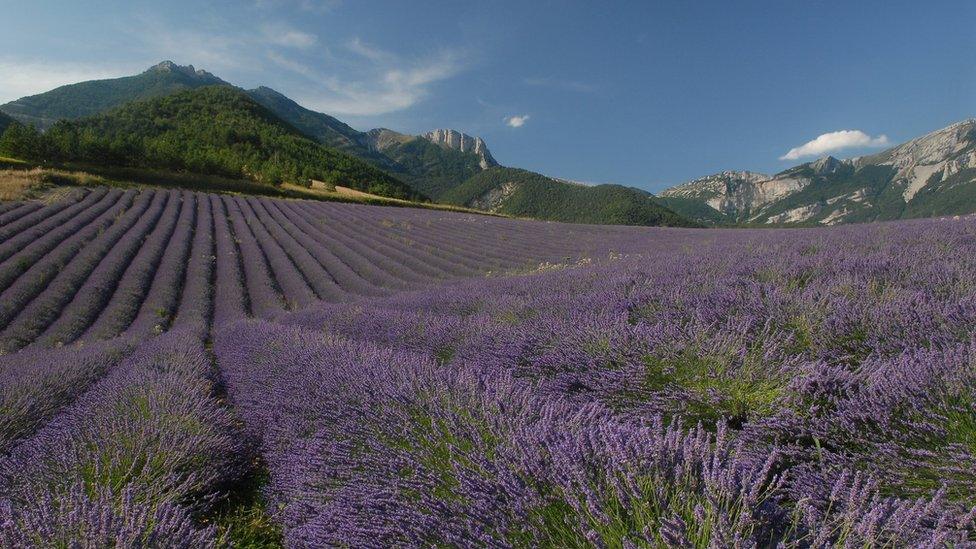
(643, 93)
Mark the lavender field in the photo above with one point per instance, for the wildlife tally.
(183, 369)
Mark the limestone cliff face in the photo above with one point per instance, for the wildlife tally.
(734, 192)
(932, 158)
(904, 181)
(463, 142)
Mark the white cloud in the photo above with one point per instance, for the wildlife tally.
(385, 83)
(24, 77)
(835, 141)
(517, 121)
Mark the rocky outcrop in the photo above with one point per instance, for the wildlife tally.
(828, 165)
(185, 70)
(463, 142)
(495, 198)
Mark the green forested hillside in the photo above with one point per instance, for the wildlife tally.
(430, 168)
(320, 127)
(4, 122)
(96, 96)
(695, 210)
(526, 194)
(212, 130)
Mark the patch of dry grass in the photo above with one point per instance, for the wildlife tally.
(20, 184)
(324, 191)
(43, 183)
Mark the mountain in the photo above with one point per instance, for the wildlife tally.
(320, 127)
(96, 96)
(430, 167)
(932, 175)
(458, 141)
(130, 121)
(431, 163)
(216, 130)
(522, 193)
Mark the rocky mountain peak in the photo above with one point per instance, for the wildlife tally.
(827, 165)
(186, 70)
(463, 142)
(269, 91)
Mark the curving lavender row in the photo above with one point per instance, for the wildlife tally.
(64, 241)
(14, 225)
(18, 211)
(633, 387)
(40, 229)
(139, 452)
(804, 388)
(99, 288)
(36, 384)
(133, 286)
(290, 281)
(166, 283)
(50, 297)
(263, 293)
(231, 298)
(7, 207)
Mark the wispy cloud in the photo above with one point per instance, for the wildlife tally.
(835, 141)
(372, 53)
(320, 6)
(282, 35)
(559, 83)
(210, 49)
(384, 83)
(343, 77)
(28, 77)
(517, 121)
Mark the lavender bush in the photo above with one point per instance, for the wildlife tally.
(406, 377)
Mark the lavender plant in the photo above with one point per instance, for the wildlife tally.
(620, 387)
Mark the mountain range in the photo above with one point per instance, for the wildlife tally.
(432, 164)
(932, 175)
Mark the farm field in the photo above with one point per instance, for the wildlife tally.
(183, 369)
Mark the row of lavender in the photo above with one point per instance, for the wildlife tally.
(805, 388)
(108, 262)
(112, 436)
